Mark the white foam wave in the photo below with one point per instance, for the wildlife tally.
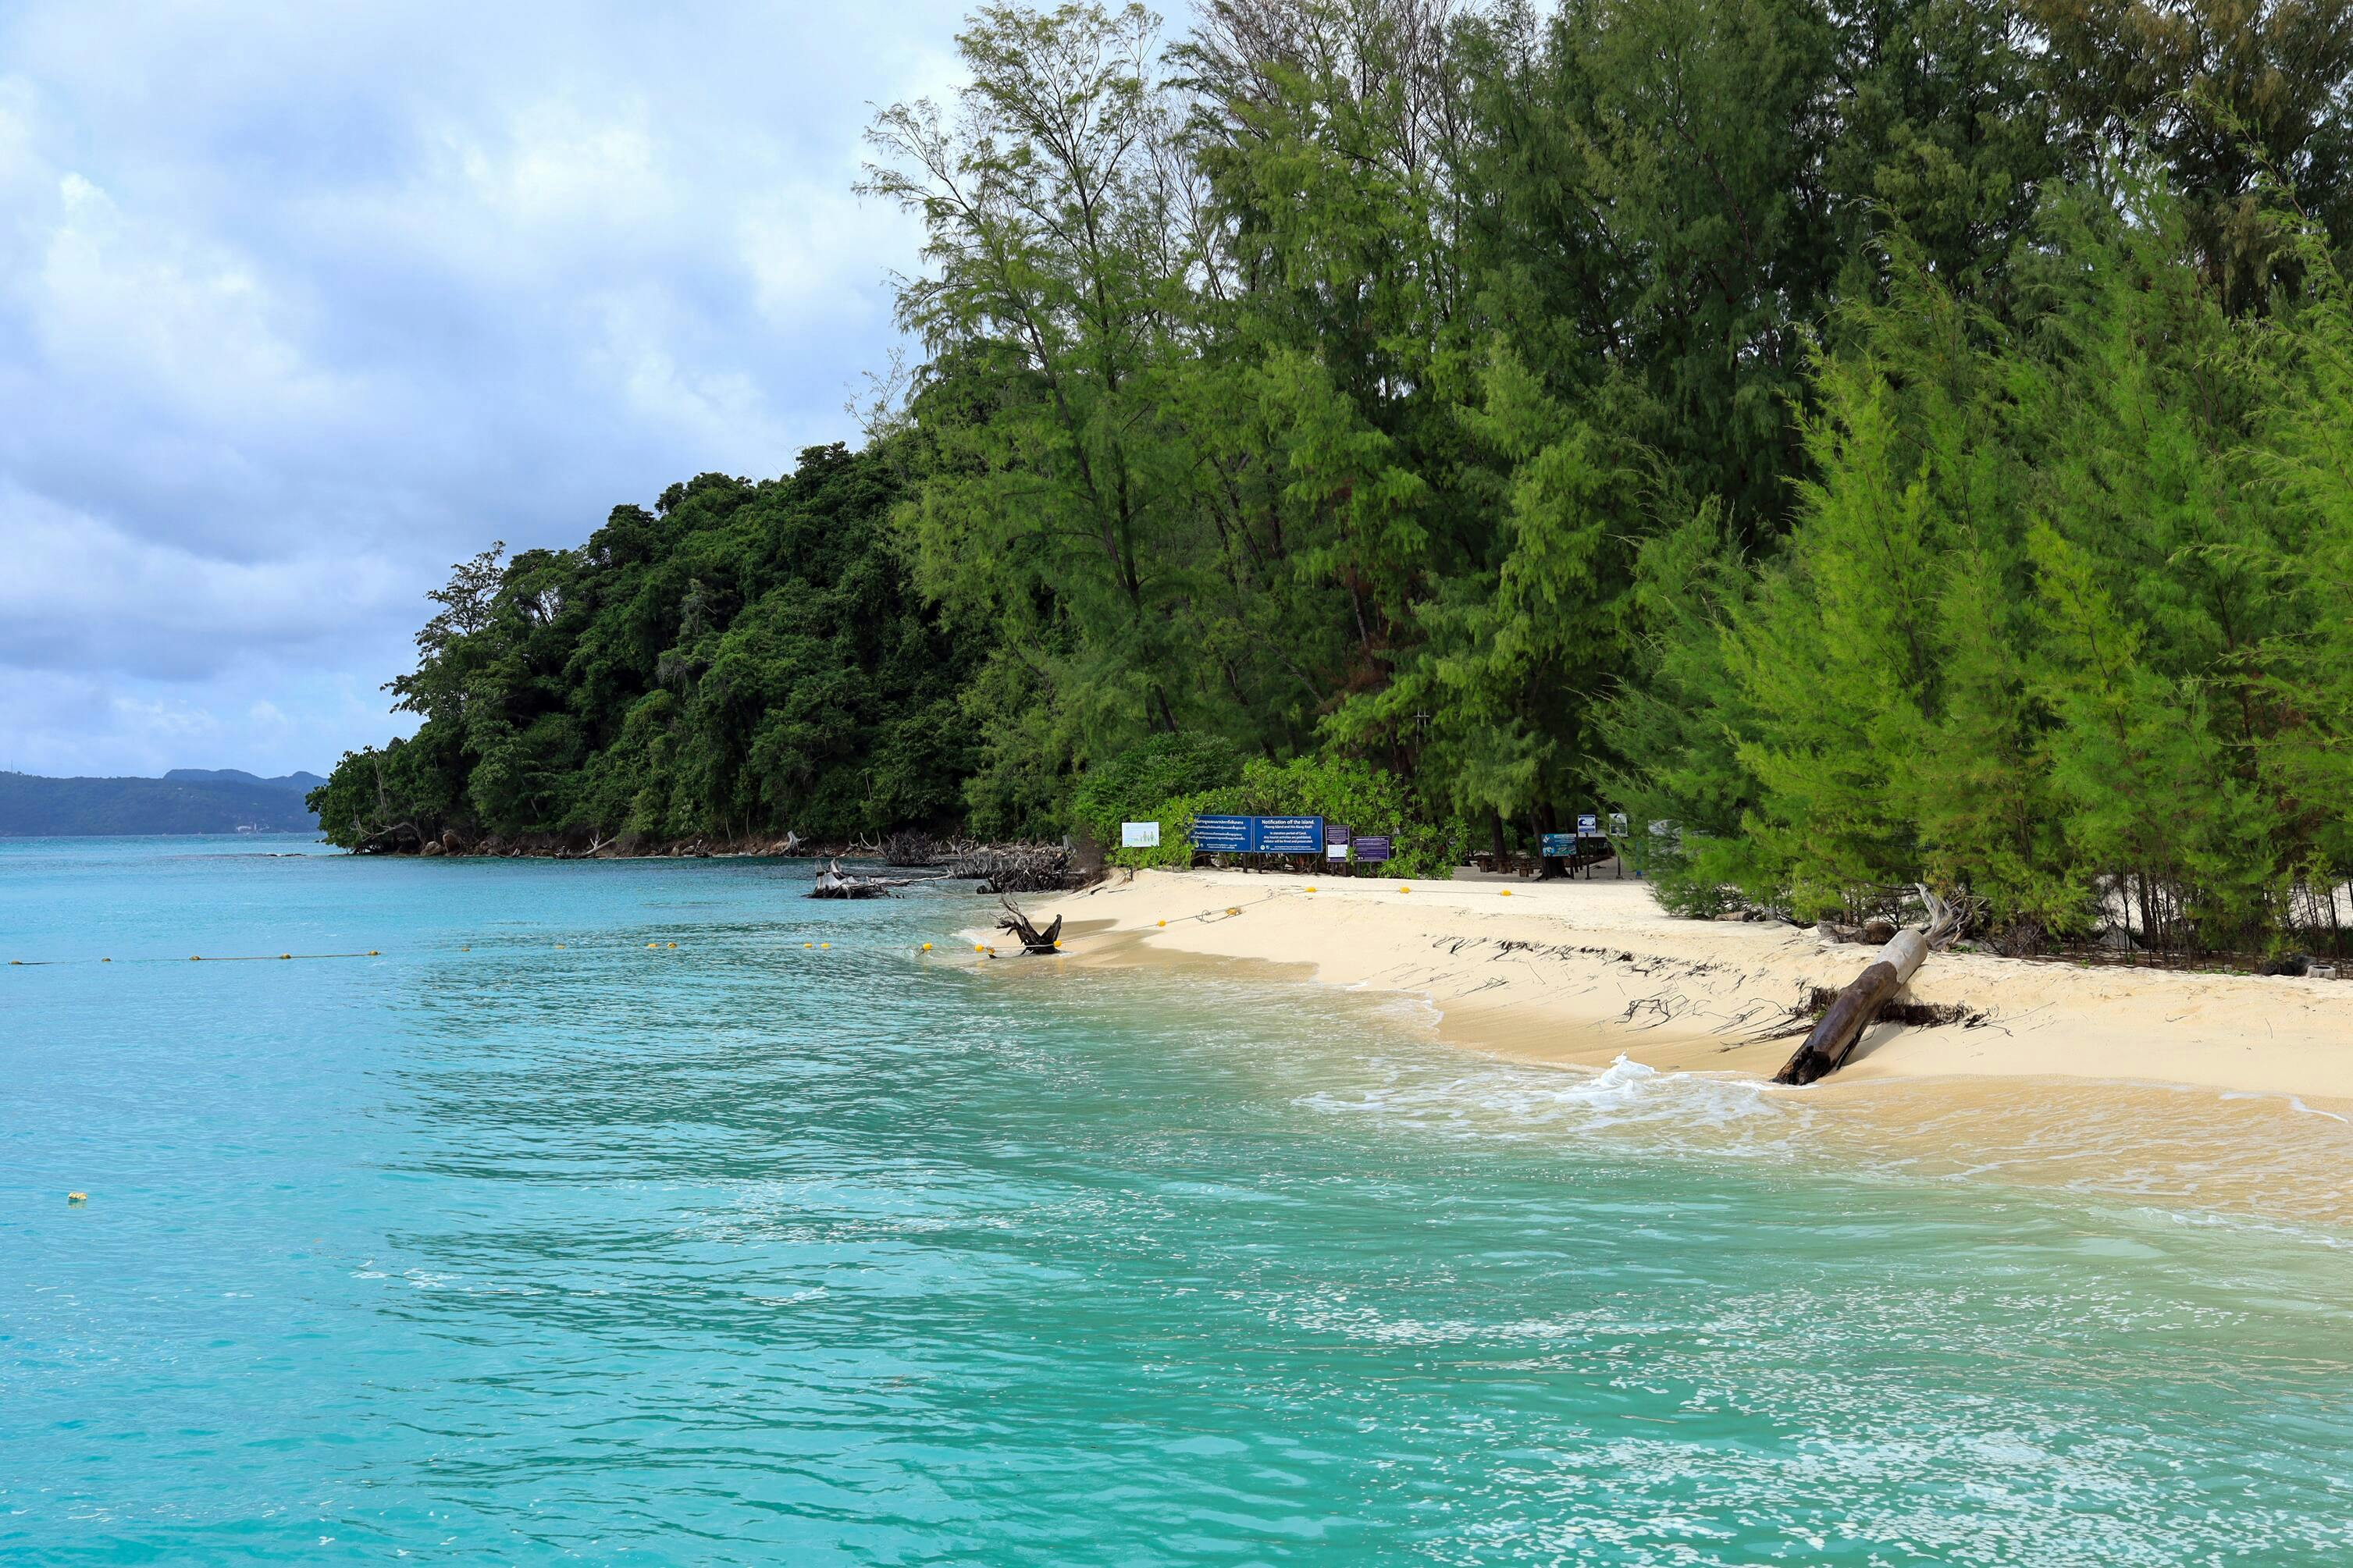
(1508, 1100)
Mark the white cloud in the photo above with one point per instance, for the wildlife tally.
(81, 595)
(165, 320)
(299, 304)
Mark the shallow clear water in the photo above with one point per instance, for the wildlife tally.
(490, 1248)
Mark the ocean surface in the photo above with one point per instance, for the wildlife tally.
(533, 1238)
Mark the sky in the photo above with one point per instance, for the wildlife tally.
(301, 303)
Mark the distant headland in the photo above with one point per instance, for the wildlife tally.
(185, 800)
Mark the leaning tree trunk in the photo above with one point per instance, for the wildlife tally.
(1826, 1049)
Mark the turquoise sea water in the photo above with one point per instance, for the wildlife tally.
(489, 1249)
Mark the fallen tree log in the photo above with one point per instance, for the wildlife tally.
(1032, 939)
(832, 884)
(1831, 1041)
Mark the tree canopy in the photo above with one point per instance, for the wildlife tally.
(1884, 441)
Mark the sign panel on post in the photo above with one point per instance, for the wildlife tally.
(1139, 835)
(1588, 826)
(1335, 841)
(1557, 845)
(1369, 847)
(1221, 834)
(1289, 834)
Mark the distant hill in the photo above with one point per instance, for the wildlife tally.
(300, 783)
(185, 800)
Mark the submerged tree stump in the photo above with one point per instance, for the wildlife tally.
(832, 884)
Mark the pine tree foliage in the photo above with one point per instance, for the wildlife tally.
(1896, 441)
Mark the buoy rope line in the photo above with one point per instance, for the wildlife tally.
(191, 958)
(1205, 917)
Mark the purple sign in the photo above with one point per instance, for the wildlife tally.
(1368, 848)
(1335, 833)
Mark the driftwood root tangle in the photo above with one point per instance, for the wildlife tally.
(1032, 940)
(1017, 867)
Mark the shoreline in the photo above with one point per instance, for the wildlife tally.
(1574, 973)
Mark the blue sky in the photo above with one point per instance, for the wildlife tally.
(300, 303)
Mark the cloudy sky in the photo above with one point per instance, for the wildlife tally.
(300, 303)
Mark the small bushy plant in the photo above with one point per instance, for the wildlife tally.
(1143, 781)
(1338, 789)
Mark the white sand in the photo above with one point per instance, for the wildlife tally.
(1577, 973)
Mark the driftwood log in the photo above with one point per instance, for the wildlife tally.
(1032, 940)
(832, 884)
(1851, 1011)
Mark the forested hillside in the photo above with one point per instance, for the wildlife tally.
(743, 657)
(1881, 441)
(185, 800)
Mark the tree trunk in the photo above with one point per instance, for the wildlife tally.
(1825, 1050)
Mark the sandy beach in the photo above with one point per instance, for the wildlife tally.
(1579, 973)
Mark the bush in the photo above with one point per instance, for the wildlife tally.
(1338, 789)
(1145, 780)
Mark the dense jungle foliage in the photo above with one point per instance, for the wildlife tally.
(742, 657)
(1877, 441)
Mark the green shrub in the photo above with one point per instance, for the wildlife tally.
(1145, 779)
(1338, 789)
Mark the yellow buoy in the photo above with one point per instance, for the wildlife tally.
(194, 959)
(285, 956)
(825, 944)
(653, 944)
(77, 1197)
(1233, 911)
(808, 944)
(106, 961)
(1311, 887)
(372, 953)
(978, 948)
(927, 947)
(673, 944)
(1507, 892)
(1163, 922)
(1403, 888)
(559, 947)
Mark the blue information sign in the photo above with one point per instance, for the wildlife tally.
(1288, 835)
(1368, 848)
(1221, 834)
(1588, 826)
(1558, 845)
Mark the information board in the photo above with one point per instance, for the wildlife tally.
(1258, 835)
(1370, 848)
(1221, 834)
(1588, 826)
(1557, 845)
(1335, 841)
(1288, 835)
(1139, 835)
